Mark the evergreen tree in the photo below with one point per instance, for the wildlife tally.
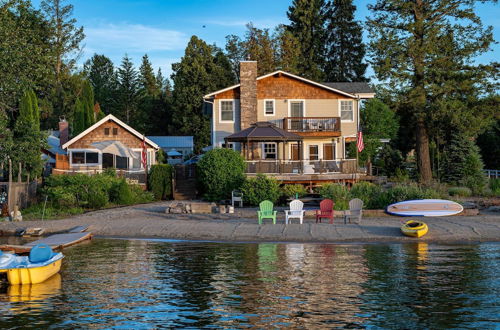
(259, 46)
(194, 76)
(306, 24)
(67, 36)
(98, 112)
(235, 52)
(88, 104)
(128, 91)
(25, 53)
(422, 49)
(344, 43)
(26, 109)
(287, 50)
(147, 80)
(101, 73)
(79, 121)
(35, 110)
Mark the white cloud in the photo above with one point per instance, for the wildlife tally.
(133, 38)
(263, 24)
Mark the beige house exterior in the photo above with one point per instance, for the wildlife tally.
(326, 118)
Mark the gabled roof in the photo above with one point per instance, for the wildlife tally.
(102, 121)
(173, 141)
(351, 87)
(289, 75)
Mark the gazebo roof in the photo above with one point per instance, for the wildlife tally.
(263, 131)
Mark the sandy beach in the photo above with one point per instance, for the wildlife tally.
(150, 221)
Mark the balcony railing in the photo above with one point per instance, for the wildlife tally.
(311, 124)
(301, 166)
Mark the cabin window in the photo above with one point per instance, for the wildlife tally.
(229, 145)
(269, 151)
(91, 158)
(269, 107)
(78, 157)
(106, 130)
(121, 162)
(115, 131)
(227, 111)
(347, 110)
(136, 162)
(313, 152)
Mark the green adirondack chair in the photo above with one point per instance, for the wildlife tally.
(266, 211)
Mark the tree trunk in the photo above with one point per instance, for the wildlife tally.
(423, 157)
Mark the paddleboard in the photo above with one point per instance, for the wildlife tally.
(425, 208)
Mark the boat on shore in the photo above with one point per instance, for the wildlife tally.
(414, 228)
(38, 266)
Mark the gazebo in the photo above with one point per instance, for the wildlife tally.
(266, 132)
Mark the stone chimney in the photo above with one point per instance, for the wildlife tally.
(63, 131)
(248, 93)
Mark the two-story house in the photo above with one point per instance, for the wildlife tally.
(285, 124)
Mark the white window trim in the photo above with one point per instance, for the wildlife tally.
(274, 107)
(220, 111)
(344, 149)
(264, 152)
(99, 157)
(340, 111)
(296, 100)
(320, 151)
(149, 157)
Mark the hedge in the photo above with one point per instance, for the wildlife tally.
(160, 181)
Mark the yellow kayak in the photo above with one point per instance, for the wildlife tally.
(40, 265)
(414, 228)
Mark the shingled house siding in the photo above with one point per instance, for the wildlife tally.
(248, 90)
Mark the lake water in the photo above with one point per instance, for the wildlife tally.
(145, 284)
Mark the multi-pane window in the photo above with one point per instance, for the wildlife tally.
(115, 131)
(313, 152)
(270, 151)
(347, 110)
(227, 110)
(83, 157)
(269, 107)
(106, 130)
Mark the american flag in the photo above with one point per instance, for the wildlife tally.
(144, 157)
(360, 145)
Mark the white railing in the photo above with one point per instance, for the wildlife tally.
(301, 166)
(492, 174)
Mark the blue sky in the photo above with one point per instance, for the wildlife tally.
(162, 28)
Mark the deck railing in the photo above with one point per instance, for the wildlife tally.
(301, 166)
(311, 124)
(492, 174)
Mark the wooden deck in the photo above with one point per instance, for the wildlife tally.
(322, 178)
(56, 242)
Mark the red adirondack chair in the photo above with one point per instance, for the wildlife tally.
(325, 210)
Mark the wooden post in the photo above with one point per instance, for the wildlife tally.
(19, 173)
(9, 198)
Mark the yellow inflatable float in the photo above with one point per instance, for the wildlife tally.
(414, 228)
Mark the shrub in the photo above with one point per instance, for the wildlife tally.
(160, 181)
(367, 192)
(495, 186)
(141, 196)
(401, 193)
(460, 191)
(97, 199)
(336, 192)
(293, 190)
(124, 194)
(220, 171)
(260, 188)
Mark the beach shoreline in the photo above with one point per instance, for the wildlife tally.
(148, 221)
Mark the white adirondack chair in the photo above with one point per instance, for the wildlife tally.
(355, 211)
(295, 211)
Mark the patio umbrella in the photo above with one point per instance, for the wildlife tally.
(173, 153)
(116, 148)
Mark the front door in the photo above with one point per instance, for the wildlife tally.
(295, 152)
(107, 161)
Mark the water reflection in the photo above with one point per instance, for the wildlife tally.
(115, 283)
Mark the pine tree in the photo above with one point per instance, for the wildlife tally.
(194, 76)
(422, 49)
(79, 118)
(344, 43)
(128, 91)
(287, 50)
(88, 104)
(306, 24)
(147, 79)
(101, 73)
(259, 46)
(26, 109)
(35, 110)
(67, 36)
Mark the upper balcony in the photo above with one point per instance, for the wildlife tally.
(312, 126)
